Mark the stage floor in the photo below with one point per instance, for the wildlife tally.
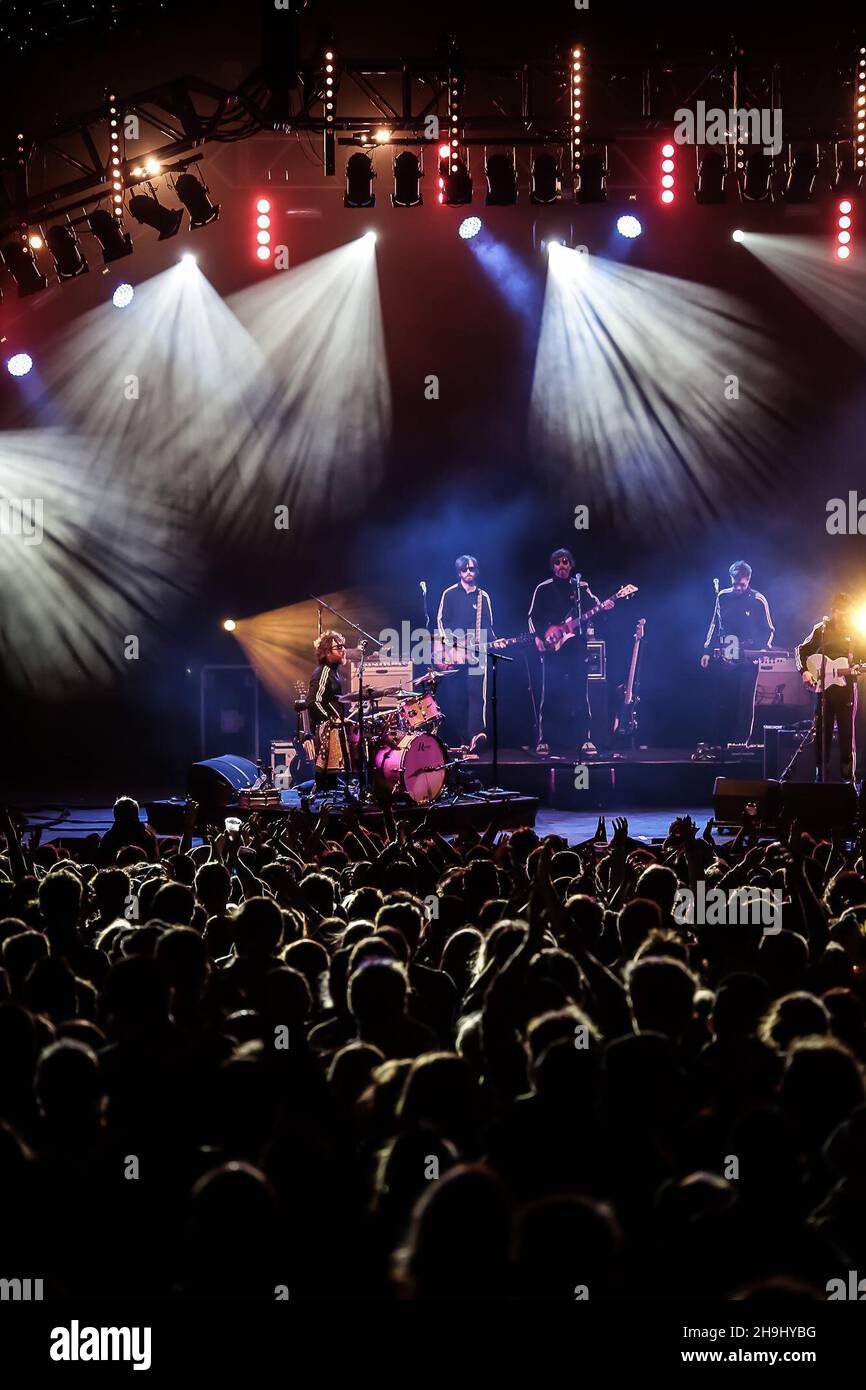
(644, 822)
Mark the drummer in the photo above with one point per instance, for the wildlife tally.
(326, 710)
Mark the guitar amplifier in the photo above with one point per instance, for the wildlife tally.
(596, 660)
(382, 675)
(780, 683)
(780, 744)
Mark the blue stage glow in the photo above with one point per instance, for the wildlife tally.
(122, 296)
(20, 364)
(628, 226)
(469, 227)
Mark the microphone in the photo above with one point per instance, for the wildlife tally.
(423, 587)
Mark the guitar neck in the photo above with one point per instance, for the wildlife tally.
(572, 623)
(629, 689)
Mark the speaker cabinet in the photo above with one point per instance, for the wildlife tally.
(215, 782)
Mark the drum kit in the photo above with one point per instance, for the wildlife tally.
(404, 754)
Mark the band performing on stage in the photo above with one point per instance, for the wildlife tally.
(418, 721)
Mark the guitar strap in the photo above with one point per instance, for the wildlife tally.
(478, 599)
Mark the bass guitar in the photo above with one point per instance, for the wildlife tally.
(625, 721)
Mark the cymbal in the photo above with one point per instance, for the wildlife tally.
(379, 692)
(433, 676)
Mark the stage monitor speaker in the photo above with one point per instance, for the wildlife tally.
(819, 806)
(731, 795)
(215, 782)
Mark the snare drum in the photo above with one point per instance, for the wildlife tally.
(415, 767)
(420, 714)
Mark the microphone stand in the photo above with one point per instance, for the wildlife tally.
(495, 789)
(823, 699)
(363, 763)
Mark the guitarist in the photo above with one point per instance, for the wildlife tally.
(831, 639)
(464, 628)
(563, 714)
(741, 622)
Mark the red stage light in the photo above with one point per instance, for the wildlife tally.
(260, 229)
(668, 172)
(844, 224)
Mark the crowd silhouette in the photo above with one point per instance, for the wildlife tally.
(330, 1062)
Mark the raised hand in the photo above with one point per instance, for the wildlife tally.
(620, 833)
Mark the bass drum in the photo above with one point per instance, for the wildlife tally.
(415, 766)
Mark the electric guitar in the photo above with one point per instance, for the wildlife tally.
(558, 634)
(625, 722)
(835, 670)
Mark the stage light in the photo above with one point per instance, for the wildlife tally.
(369, 236)
(152, 165)
(229, 625)
(628, 226)
(122, 296)
(592, 181)
(501, 181)
(455, 124)
(860, 115)
(147, 209)
(35, 242)
(116, 173)
(469, 227)
(193, 194)
(382, 136)
(667, 173)
(359, 182)
(24, 269)
(576, 111)
(859, 619)
(755, 186)
(801, 177)
(109, 233)
(188, 260)
(455, 183)
(66, 250)
(262, 209)
(844, 222)
(444, 151)
(711, 177)
(545, 179)
(737, 235)
(19, 364)
(407, 181)
(329, 99)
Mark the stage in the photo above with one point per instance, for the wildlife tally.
(556, 795)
